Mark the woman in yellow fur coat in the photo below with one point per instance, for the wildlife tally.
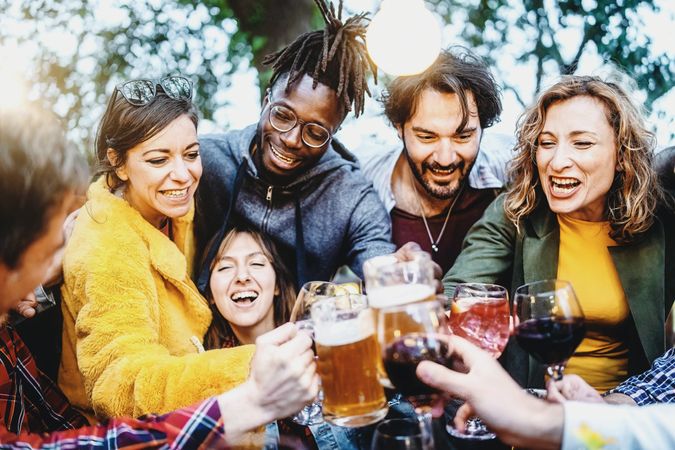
(133, 320)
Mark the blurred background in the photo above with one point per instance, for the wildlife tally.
(69, 54)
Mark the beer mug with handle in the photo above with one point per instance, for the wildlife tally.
(348, 358)
(311, 292)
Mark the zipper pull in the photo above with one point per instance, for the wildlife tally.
(268, 197)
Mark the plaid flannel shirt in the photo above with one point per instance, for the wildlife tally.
(36, 414)
(656, 385)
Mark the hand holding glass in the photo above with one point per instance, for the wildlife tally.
(408, 335)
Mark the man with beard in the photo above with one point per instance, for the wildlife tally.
(439, 184)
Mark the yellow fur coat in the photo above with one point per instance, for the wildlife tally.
(132, 316)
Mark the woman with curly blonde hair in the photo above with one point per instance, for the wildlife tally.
(584, 205)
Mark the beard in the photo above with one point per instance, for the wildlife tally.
(435, 190)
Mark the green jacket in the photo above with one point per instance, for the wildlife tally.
(495, 252)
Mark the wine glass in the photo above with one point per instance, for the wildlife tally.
(480, 314)
(397, 434)
(549, 323)
(310, 293)
(409, 334)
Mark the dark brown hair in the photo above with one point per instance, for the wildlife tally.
(335, 56)
(124, 126)
(455, 71)
(220, 331)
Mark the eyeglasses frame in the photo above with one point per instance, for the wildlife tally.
(296, 122)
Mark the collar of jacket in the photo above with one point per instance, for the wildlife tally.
(336, 156)
(640, 265)
(170, 258)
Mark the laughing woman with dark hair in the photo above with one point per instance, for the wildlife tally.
(585, 206)
(134, 321)
(250, 290)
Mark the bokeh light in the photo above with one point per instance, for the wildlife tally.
(13, 89)
(404, 37)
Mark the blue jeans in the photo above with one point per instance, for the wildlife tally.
(328, 437)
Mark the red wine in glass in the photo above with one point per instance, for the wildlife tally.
(401, 358)
(409, 334)
(551, 340)
(549, 323)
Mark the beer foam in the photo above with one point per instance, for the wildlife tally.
(402, 294)
(346, 331)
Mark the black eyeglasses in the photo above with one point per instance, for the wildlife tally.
(141, 92)
(283, 119)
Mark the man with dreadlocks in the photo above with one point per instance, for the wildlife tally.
(286, 175)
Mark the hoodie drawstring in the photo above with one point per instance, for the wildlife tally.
(205, 273)
(300, 254)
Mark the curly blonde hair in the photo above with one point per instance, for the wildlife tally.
(635, 192)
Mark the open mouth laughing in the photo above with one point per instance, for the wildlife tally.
(175, 193)
(563, 185)
(244, 298)
(283, 157)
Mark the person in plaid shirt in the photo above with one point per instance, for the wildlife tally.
(40, 176)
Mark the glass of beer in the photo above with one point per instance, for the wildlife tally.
(346, 346)
(409, 334)
(311, 292)
(390, 282)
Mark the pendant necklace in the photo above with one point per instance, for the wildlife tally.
(434, 243)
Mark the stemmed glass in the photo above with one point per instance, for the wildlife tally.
(409, 334)
(549, 323)
(480, 314)
(309, 294)
(397, 434)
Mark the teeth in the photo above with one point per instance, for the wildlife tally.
(278, 154)
(565, 181)
(564, 185)
(175, 192)
(244, 295)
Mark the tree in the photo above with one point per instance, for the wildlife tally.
(553, 37)
(81, 48)
(96, 49)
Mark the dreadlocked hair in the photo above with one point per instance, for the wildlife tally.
(335, 56)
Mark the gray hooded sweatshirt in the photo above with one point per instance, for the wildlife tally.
(328, 217)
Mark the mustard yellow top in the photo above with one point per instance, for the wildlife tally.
(584, 259)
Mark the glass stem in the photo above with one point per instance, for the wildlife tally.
(424, 419)
(556, 371)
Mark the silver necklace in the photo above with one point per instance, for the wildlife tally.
(434, 243)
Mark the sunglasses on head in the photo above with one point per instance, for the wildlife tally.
(141, 92)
